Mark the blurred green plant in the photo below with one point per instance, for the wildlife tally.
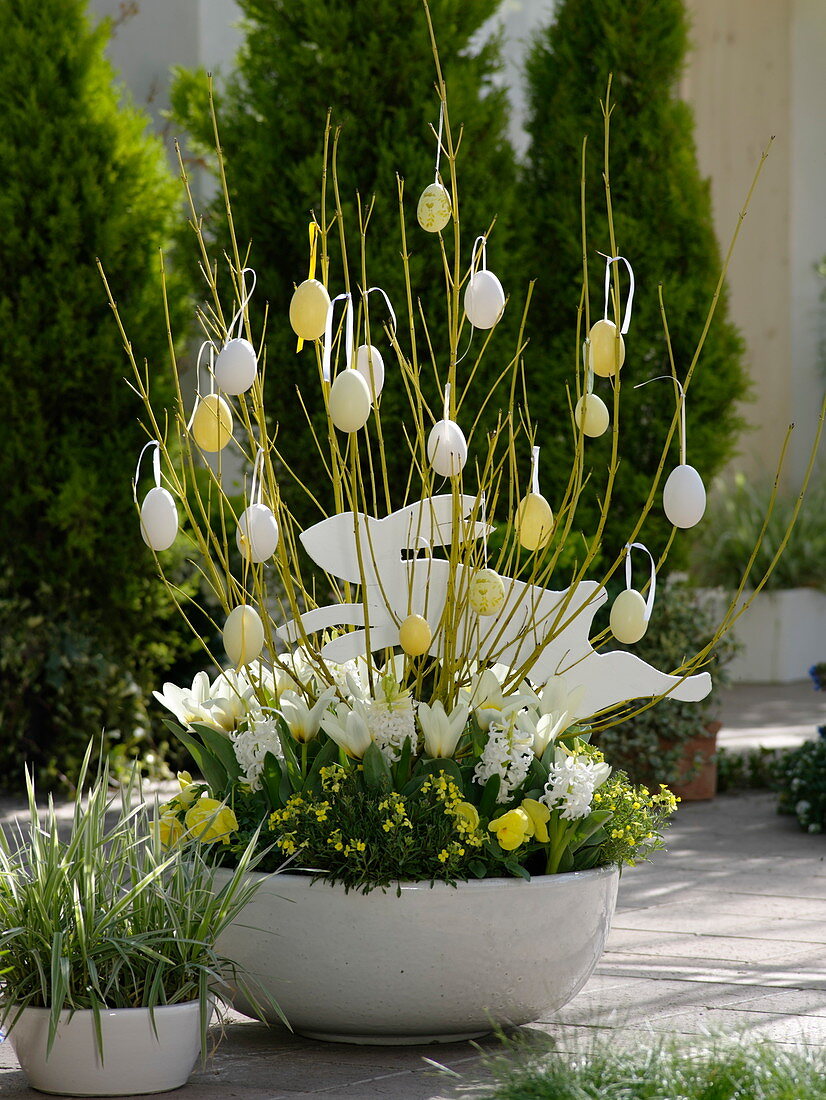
(736, 515)
(752, 770)
(803, 784)
(651, 746)
(82, 177)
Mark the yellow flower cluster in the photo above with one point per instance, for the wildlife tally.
(396, 811)
(464, 814)
(204, 819)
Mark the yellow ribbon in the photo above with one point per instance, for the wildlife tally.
(313, 231)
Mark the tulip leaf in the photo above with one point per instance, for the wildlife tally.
(591, 823)
(271, 780)
(291, 767)
(221, 747)
(210, 767)
(489, 795)
(537, 774)
(401, 769)
(376, 772)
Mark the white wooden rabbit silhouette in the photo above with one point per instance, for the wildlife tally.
(382, 556)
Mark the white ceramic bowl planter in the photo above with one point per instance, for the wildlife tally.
(436, 964)
(136, 1060)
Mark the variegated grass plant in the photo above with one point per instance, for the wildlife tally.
(104, 917)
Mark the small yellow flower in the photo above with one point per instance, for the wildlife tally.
(208, 820)
(512, 829)
(444, 855)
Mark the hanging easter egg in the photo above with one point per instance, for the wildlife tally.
(484, 299)
(243, 635)
(684, 497)
(350, 402)
(236, 367)
(159, 519)
(365, 355)
(415, 635)
(212, 423)
(308, 309)
(628, 617)
(257, 533)
(534, 521)
(486, 592)
(591, 415)
(433, 211)
(603, 337)
(447, 448)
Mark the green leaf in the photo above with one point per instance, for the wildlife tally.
(271, 778)
(210, 766)
(376, 771)
(516, 869)
(221, 747)
(477, 868)
(327, 754)
(487, 806)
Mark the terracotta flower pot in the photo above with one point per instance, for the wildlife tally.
(703, 784)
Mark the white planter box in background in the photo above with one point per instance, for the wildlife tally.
(782, 634)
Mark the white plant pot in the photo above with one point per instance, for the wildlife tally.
(436, 964)
(136, 1060)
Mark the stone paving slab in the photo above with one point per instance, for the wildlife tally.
(724, 933)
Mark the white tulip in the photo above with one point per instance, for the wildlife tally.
(441, 733)
(348, 728)
(303, 721)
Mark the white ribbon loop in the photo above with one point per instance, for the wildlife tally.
(390, 309)
(679, 385)
(446, 407)
(257, 477)
(246, 295)
(328, 333)
(473, 254)
(649, 603)
(589, 370)
(439, 140)
(156, 466)
(535, 470)
(206, 344)
(626, 321)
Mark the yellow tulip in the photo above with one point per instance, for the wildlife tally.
(208, 820)
(540, 815)
(512, 829)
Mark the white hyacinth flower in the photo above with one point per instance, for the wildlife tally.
(508, 754)
(441, 733)
(572, 780)
(251, 747)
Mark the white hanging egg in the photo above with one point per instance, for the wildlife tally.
(433, 211)
(350, 402)
(591, 415)
(212, 423)
(415, 635)
(308, 309)
(447, 448)
(257, 533)
(236, 367)
(684, 497)
(534, 521)
(603, 337)
(364, 355)
(484, 299)
(628, 621)
(159, 519)
(486, 592)
(243, 635)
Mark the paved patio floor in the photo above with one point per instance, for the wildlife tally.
(724, 933)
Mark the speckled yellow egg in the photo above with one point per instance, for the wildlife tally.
(350, 401)
(212, 424)
(603, 337)
(243, 635)
(308, 309)
(628, 622)
(415, 635)
(486, 592)
(534, 521)
(591, 415)
(433, 211)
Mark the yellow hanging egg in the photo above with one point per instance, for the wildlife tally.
(591, 415)
(350, 401)
(534, 521)
(486, 592)
(603, 337)
(415, 635)
(308, 309)
(212, 424)
(433, 211)
(243, 635)
(628, 621)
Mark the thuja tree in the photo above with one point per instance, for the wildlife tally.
(370, 62)
(83, 631)
(662, 218)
